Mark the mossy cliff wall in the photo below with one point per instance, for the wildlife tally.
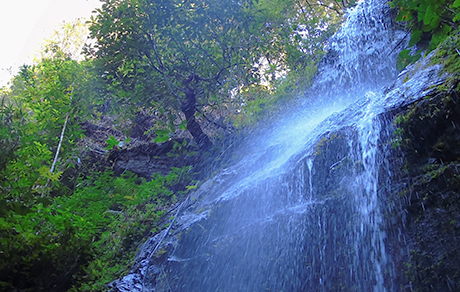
(427, 181)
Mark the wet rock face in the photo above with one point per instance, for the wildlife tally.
(333, 162)
(433, 128)
(430, 189)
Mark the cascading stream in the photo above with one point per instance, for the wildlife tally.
(301, 211)
(367, 201)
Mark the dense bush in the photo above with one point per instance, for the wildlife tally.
(429, 21)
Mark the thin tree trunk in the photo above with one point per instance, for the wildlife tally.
(60, 143)
(189, 110)
(57, 153)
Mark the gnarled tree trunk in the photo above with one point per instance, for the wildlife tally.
(189, 109)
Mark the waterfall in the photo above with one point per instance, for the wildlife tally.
(303, 210)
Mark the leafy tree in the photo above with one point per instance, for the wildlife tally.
(295, 40)
(41, 241)
(46, 98)
(39, 116)
(186, 55)
(176, 53)
(53, 234)
(299, 30)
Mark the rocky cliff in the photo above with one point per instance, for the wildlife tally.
(427, 141)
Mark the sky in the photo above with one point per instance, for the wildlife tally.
(25, 24)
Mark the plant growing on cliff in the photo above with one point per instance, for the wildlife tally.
(430, 22)
(123, 210)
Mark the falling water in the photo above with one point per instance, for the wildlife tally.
(302, 210)
(367, 201)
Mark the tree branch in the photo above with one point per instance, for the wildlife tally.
(161, 69)
(209, 56)
(213, 122)
(62, 134)
(181, 48)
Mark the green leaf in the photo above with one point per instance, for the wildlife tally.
(183, 125)
(421, 9)
(456, 18)
(112, 141)
(429, 14)
(161, 139)
(440, 35)
(415, 37)
(162, 132)
(405, 58)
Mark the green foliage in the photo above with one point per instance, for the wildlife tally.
(122, 211)
(449, 56)
(290, 57)
(34, 111)
(162, 135)
(190, 55)
(173, 54)
(113, 142)
(430, 21)
(183, 149)
(401, 121)
(34, 231)
(302, 43)
(67, 227)
(405, 58)
(101, 222)
(52, 235)
(148, 42)
(91, 233)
